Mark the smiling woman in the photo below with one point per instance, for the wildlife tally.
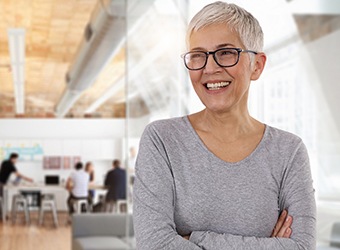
(220, 179)
(236, 72)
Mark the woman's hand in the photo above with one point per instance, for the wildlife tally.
(186, 237)
(283, 225)
(282, 228)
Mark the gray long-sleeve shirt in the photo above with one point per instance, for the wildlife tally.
(181, 187)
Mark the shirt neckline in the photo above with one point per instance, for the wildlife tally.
(207, 150)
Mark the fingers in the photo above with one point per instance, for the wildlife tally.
(282, 228)
(285, 231)
(279, 223)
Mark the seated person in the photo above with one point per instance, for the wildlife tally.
(77, 184)
(115, 181)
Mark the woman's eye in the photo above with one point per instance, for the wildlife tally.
(196, 55)
(226, 52)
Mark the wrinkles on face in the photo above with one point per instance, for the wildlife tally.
(235, 94)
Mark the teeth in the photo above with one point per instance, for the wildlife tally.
(217, 85)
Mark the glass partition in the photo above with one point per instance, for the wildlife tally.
(156, 81)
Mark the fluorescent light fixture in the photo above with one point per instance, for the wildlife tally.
(16, 40)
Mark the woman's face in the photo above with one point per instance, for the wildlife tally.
(90, 167)
(233, 96)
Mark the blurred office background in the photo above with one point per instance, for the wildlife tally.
(78, 79)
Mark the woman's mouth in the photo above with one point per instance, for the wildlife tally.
(216, 85)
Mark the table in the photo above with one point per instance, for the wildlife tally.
(60, 193)
(99, 190)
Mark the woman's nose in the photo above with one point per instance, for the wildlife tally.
(211, 66)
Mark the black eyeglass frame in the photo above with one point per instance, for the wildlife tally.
(207, 53)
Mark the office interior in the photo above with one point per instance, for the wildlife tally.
(80, 80)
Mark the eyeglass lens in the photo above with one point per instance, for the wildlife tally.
(223, 57)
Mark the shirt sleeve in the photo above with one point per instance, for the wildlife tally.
(296, 195)
(153, 198)
(14, 169)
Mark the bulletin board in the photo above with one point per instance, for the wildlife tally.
(27, 149)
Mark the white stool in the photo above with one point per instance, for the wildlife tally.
(110, 207)
(77, 204)
(18, 200)
(48, 203)
(118, 205)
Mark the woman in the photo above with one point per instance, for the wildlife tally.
(89, 169)
(219, 179)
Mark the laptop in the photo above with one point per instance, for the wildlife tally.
(51, 179)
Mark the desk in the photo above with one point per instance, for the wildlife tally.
(60, 193)
(97, 187)
(99, 190)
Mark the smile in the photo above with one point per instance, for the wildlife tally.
(217, 85)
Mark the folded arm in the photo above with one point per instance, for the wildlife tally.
(297, 196)
(154, 199)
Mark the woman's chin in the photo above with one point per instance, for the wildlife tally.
(218, 108)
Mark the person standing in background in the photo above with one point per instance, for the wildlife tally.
(115, 181)
(7, 168)
(90, 170)
(132, 160)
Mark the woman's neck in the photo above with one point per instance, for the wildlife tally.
(225, 123)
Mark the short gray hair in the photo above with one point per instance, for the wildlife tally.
(239, 20)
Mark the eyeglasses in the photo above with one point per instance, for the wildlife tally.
(225, 57)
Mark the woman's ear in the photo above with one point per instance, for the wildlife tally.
(258, 65)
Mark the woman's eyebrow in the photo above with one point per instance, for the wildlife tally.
(198, 49)
(223, 45)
